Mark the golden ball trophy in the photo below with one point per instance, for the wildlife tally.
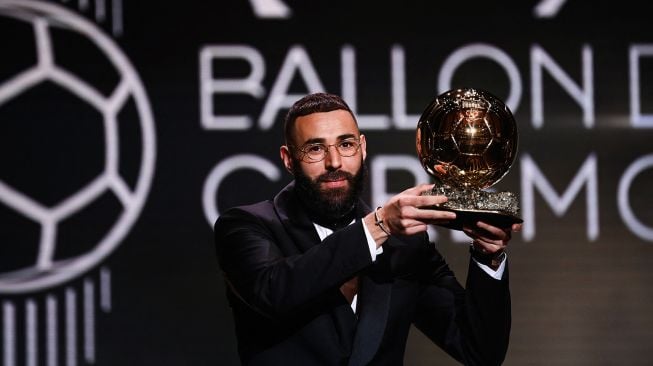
(467, 140)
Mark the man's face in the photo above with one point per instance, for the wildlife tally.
(334, 181)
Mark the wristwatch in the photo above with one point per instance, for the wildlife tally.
(492, 260)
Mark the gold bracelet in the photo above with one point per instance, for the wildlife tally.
(379, 222)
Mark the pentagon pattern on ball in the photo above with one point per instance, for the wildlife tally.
(68, 134)
(467, 137)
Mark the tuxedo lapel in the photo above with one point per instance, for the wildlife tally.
(374, 295)
(374, 303)
(294, 220)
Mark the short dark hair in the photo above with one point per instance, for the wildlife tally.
(313, 103)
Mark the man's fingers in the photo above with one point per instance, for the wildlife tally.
(414, 197)
(439, 215)
(488, 235)
(419, 189)
(427, 213)
(424, 201)
(411, 212)
(492, 230)
(487, 248)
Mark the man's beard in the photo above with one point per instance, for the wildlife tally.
(330, 206)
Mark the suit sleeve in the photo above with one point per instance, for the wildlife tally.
(472, 324)
(265, 269)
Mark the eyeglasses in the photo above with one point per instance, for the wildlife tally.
(313, 153)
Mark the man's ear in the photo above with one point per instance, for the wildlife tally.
(363, 146)
(286, 157)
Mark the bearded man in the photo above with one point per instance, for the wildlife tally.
(316, 277)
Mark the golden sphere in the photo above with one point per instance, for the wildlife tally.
(467, 137)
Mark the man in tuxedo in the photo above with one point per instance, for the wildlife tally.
(316, 277)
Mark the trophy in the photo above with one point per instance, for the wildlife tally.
(467, 140)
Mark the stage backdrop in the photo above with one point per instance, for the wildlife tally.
(127, 127)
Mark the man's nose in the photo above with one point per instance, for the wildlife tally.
(333, 160)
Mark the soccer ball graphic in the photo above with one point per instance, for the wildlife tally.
(77, 146)
(467, 138)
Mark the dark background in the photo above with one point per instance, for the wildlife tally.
(577, 299)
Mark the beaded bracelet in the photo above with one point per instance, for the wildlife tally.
(379, 222)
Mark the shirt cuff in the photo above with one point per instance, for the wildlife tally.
(374, 251)
(498, 274)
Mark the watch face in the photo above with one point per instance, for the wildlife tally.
(492, 260)
(496, 260)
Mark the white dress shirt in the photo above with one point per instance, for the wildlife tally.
(323, 232)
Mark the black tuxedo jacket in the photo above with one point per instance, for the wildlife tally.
(283, 288)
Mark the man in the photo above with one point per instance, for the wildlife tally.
(315, 277)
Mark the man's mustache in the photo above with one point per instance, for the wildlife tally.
(333, 176)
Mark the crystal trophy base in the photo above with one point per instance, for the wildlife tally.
(498, 209)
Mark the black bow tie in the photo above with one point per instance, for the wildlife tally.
(335, 224)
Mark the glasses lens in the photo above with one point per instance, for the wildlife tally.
(317, 152)
(314, 152)
(347, 147)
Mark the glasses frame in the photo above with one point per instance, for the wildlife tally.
(305, 157)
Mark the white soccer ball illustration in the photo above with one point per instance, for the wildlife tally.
(36, 89)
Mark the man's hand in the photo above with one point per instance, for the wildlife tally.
(407, 213)
(490, 240)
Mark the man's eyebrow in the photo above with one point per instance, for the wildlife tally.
(347, 136)
(315, 140)
(320, 140)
